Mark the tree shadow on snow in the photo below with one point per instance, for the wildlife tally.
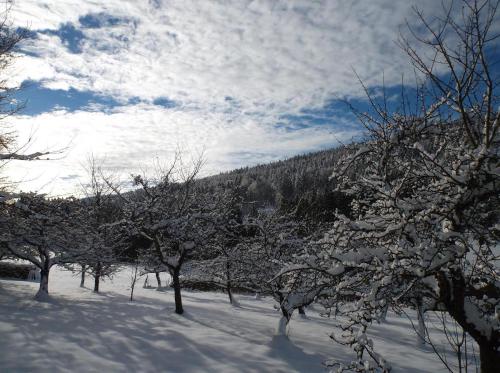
(110, 333)
(283, 348)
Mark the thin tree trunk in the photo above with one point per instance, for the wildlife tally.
(97, 278)
(283, 323)
(134, 280)
(229, 293)
(228, 283)
(82, 278)
(383, 315)
(421, 323)
(177, 291)
(43, 290)
(158, 280)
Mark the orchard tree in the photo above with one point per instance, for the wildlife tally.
(169, 214)
(150, 263)
(224, 263)
(40, 231)
(426, 208)
(101, 245)
(272, 265)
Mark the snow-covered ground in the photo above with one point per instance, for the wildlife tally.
(79, 331)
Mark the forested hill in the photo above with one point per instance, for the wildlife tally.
(300, 184)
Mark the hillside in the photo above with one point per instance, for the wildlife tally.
(300, 184)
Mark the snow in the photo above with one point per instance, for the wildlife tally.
(79, 331)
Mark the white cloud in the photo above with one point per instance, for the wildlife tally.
(130, 138)
(280, 55)
(270, 57)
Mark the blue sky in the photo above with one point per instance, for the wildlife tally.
(245, 82)
(38, 99)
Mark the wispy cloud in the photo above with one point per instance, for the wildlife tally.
(129, 138)
(277, 55)
(235, 77)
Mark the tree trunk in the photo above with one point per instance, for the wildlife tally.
(158, 280)
(228, 283)
(452, 294)
(82, 278)
(97, 277)
(490, 358)
(177, 291)
(132, 287)
(421, 323)
(43, 290)
(383, 314)
(302, 311)
(229, 293)
(283, 323)
(96, 283)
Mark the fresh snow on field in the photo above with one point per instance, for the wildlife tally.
(79, 331)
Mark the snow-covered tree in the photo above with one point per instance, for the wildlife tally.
(100, 245)
(168, 213)
(40, 231)
(426, 196)
(223, 261)
(149, 262)
(271, 265)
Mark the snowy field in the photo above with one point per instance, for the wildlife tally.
(79, 331)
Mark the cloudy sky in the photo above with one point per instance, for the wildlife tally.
(247, 82)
